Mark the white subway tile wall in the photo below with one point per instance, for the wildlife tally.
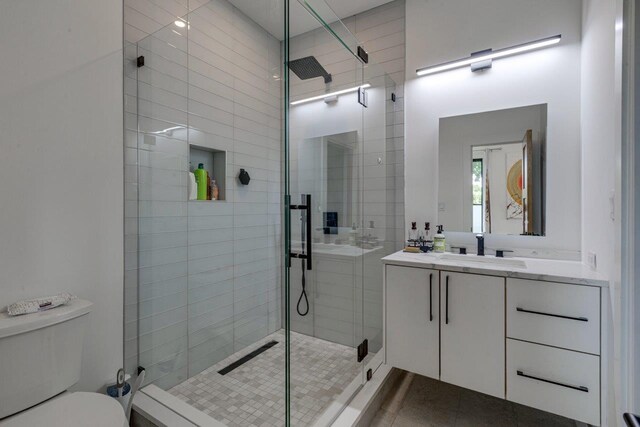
(382, 32)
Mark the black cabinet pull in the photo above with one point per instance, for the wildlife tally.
(431, 297)
(579, 319)
(573, 387)
(446, 301)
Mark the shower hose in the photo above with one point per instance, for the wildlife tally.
(303, 295)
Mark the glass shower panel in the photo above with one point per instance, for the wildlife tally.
(205, 305)
(162, 149)
(379, 201)
(320, 10)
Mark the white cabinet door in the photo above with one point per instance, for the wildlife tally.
(473, 332)
(412, 319)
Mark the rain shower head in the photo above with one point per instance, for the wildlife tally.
(308, 68)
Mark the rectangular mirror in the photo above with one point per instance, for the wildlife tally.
(327, 164)
(492, 172)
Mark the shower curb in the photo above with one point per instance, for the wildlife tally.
(164, 409)
(367, 400)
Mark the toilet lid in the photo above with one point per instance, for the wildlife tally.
(73, 409)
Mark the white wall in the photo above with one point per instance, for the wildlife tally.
(598, 131)
(600, 166)
(61, 197)
(443, 30)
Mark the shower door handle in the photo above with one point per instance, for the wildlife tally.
(307, 255)
(308, 236)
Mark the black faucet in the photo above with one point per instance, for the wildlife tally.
(480, 238)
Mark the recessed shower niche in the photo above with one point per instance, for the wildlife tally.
(214, 163)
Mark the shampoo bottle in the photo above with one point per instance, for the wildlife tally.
(201, 181)
(439, 241)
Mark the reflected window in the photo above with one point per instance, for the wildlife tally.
(477, 195)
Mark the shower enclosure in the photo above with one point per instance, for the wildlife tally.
(259, 302)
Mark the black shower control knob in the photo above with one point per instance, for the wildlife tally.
(244, 177)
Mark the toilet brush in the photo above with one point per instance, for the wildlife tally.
(136, 385)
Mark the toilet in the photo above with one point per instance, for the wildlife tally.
(40, 358)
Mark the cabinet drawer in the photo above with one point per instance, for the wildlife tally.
(557, 314)
(560, 381)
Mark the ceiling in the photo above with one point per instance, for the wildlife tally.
(269, 13)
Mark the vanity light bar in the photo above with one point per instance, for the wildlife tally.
(330, 94)
(500, 53)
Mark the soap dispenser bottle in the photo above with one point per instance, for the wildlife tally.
(427, 231)
(439, 243)
(413, 233)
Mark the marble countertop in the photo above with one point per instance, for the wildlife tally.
(532, 268)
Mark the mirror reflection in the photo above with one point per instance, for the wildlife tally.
(492, 171)
(326, 172)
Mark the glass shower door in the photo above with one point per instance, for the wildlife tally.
(325, 152)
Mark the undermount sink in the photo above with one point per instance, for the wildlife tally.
(492, 260)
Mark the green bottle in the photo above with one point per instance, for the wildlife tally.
(201, 181)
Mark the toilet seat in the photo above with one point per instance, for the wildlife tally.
(72, 409)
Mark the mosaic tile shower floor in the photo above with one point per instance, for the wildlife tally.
(253, 394)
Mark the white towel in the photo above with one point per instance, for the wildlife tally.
(39, 304)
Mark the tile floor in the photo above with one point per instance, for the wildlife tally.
(429, 403)
(253, 394)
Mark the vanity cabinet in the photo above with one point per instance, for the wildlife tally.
(533, 342)
(472, 332)
(413, 319)
(448, 326)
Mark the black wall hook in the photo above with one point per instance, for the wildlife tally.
(244, 177)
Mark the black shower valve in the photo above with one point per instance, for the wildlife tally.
(244, 177)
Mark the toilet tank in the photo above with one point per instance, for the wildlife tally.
(40, 354)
